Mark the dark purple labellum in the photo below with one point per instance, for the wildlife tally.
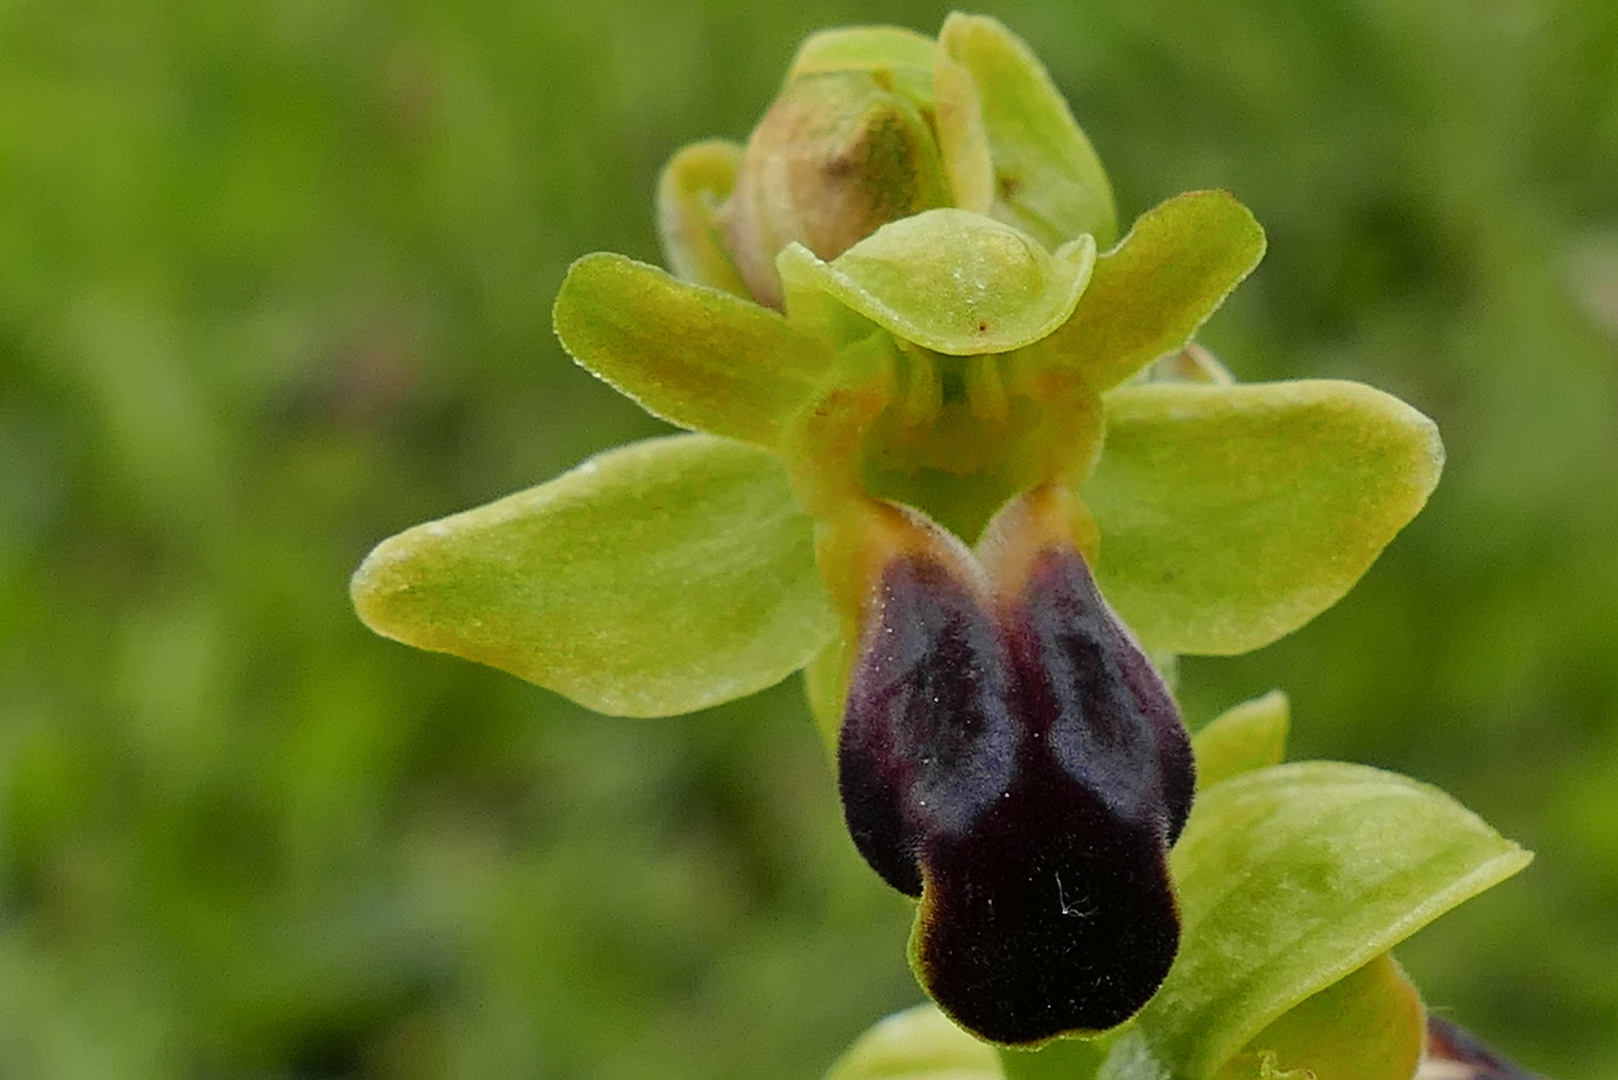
(1018, 763)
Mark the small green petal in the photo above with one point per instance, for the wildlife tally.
(950, 280)
(1231, 515)
(1245, 737)
(1149, 295)
(692, 355)
(917, 1044)
(1368, 1026)
(654, 579)
(1048, 179)
(1291, 878)
(694, 185)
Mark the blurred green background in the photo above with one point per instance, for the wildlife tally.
(275, 281)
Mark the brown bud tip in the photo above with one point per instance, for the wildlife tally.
(838, 155)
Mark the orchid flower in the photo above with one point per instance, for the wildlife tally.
(955, 454)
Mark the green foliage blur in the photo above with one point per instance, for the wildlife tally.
(275, 282)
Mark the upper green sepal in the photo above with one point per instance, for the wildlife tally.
(694, 355)
(949, 280)
(1232, 515)
(655, 579)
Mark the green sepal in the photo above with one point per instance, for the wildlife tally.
(1368, 1026)
(949, 280)
(1290, 878)
(1245, 737)
(694, 185)
(692, 355)
(655, 579)
(1148, 295)
(1048, 179)
(917, 1044)
(1231, 515)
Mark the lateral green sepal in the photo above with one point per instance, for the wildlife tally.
(655, 579)
(1232, 515)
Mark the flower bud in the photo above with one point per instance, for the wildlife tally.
(839, 154)
(876, 124)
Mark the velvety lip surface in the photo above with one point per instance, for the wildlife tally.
(1017, 763)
